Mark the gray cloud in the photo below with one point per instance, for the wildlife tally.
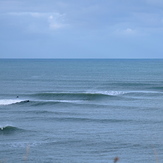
(89, 14)
(83, 25)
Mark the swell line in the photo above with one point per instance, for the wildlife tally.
(77, 95)
(78, 119)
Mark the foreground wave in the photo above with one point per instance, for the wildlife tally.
(8, 129)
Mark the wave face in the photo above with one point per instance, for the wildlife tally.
(77, 95)
(8, 129)
(12, 101)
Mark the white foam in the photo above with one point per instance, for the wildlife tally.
(109, 93)
(9, 101)
(114, 93)
(69, 101)
(26, 145)
(63, 101)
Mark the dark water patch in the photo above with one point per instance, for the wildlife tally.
(53, 102)
(69, 118)
(42, 103)
(52, 113)
(157, 88)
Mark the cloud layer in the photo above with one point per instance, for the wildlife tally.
(87, 25)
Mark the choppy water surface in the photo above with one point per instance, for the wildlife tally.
(81, 111)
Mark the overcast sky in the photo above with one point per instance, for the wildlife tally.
(81, 28)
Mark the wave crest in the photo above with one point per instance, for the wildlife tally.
(7, 127)
(77, 95)
(107, 93)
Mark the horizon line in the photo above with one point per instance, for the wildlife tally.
(76, 58)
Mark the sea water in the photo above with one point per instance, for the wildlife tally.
(81, 111)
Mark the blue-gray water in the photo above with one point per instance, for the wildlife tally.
(81, 111)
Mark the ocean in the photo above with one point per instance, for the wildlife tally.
(81, 110)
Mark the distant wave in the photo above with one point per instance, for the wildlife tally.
(81, 119)
(77, 95)
(107, 93)
(11, 101)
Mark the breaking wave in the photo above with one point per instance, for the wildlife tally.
(7, 129)
(12, 101)
(77, 95)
